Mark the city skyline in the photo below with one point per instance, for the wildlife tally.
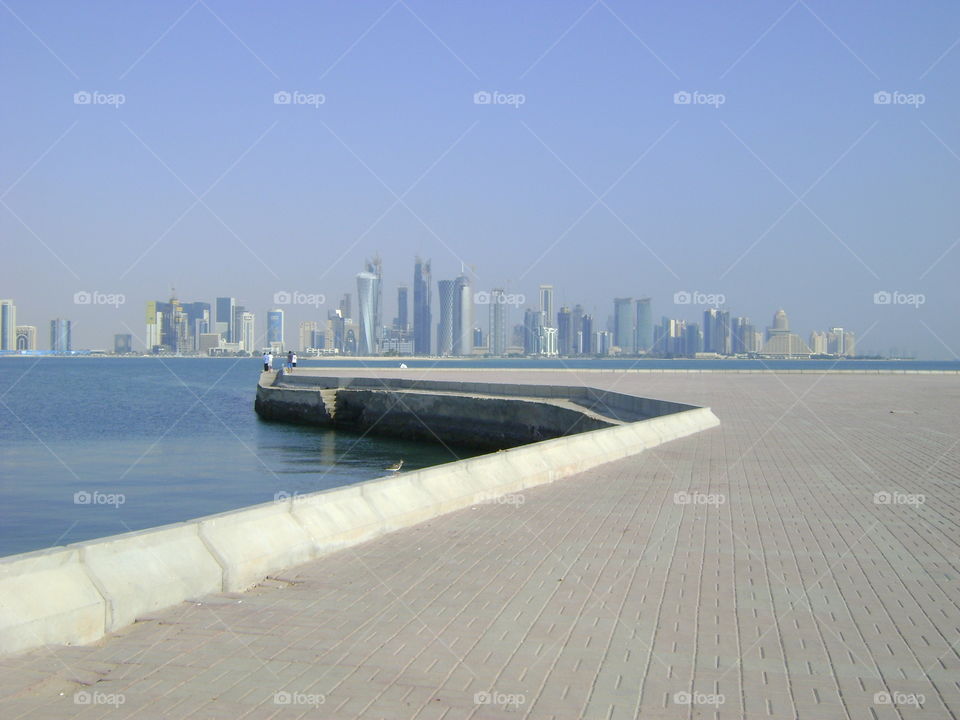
(799, 156)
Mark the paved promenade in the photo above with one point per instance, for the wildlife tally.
(800, 561)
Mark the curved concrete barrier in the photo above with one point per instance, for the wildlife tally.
(78, 593)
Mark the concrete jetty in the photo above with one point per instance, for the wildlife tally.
(798, 561)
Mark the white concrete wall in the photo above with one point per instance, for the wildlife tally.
(79, 593)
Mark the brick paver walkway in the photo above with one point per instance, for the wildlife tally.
(799, 561)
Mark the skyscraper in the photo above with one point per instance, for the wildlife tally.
(402, 323)
(546, 304)
(644, 325)
(248, 335)
(624, 325)
(422, 319)
(565, 331)
(462, 316)
(587, 346)
(26, 337)
(60, 336)
(224, 318)
(497, 335)
(716, 331)
(275, 330)
(8, 325)
(445, 326)
(576, 330)
(308, 334)
(375, 268)
(368, 288)
(532, 332)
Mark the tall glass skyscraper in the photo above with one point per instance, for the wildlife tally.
(8, 325)
(624, 325)
(497, 335)
(60, 336)
(546, 304)
(224, 318)
(445, 326)
(275, 329)
(422, 320)
(368, 287)
(565, 331)
(644, 324)
(402, 305)
(462, 316)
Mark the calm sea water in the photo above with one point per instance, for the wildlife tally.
(177, 439)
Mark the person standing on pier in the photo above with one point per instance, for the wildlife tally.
(267, 360)
(290, 361)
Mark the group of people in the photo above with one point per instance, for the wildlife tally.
(290, 364)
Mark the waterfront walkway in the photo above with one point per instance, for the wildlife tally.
(801, 560)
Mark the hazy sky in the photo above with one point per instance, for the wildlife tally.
(783, 183)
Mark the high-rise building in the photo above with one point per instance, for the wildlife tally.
(422, 319)
(548, 341)
(818, 342)
(26, 337)
(224, 318)
(402, 323)
(644, 325)
(375, 268)
(346, 307)
(60, 340)
(248, 334)
(741, 336)
(122, 344)
(781, 343)
(716, 331)
(602, 342)
(546, 304)
(154, 320)
(478, 337)
(692, 339)
(576, 329)
(624, 325)
(565, 331)
(462, 316)
(309, 330)
(532, 331)
(275, 330)
(368, 288)
(198, 316)
(588, 346)
(497, 333)
(445, 326)
(8, 325)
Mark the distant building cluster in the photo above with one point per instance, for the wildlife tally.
(513, 326)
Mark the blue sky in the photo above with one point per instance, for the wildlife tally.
(798, 191)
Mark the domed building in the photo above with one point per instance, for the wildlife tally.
(781, 343)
